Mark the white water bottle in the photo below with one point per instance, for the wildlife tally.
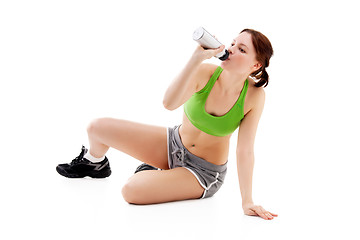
(206, 40)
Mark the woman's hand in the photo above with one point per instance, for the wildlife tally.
(202, 54)
(257, 210)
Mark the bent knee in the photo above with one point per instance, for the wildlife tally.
(130, 193)
(98, 124)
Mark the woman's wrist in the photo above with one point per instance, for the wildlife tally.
(197, 58)
(246, 202)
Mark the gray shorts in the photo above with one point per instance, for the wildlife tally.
(210, 176)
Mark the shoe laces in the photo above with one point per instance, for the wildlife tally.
(79, 158)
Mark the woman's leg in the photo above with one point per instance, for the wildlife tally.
(144, 142)
(148, 187)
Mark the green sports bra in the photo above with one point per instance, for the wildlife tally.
(194, 109)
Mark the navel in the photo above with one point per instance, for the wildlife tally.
(193, 145)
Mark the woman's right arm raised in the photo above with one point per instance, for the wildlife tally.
(185, 84)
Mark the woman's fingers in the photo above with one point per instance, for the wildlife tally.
(269, 215)
(219, 50)
(203, 53)
(265, 214)
(259, 212)
(262, 212)
(275, 215)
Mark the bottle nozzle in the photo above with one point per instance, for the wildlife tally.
(225, 56)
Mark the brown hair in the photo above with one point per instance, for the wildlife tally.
(264, 51)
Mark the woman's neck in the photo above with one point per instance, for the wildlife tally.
(232, 83)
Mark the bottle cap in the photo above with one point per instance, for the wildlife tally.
(225, 56)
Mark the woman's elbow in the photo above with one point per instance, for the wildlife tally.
(168, 106)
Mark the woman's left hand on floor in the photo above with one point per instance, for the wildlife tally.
(257, 210)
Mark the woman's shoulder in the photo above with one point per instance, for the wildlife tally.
(207, 70)
(255, 90)
(209, 67)
(256, 95)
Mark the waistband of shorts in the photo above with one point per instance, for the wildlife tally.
(196, 159)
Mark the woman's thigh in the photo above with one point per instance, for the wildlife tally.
(155, 186)
(147, 143)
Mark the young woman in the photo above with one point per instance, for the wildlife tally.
(193, 155)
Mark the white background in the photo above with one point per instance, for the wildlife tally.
(64, 63)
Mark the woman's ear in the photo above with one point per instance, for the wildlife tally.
(257, 66)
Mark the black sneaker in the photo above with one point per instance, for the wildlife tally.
(145, 166)
(81, 167)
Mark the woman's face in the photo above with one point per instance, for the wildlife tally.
(242, 56)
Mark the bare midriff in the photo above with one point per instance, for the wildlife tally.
(208, 147)
(213, 149)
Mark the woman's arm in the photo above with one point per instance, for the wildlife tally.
(245, 166)
(245, 157)
(185, 83)
(245, 145)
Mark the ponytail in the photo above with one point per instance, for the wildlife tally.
(262, 76)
